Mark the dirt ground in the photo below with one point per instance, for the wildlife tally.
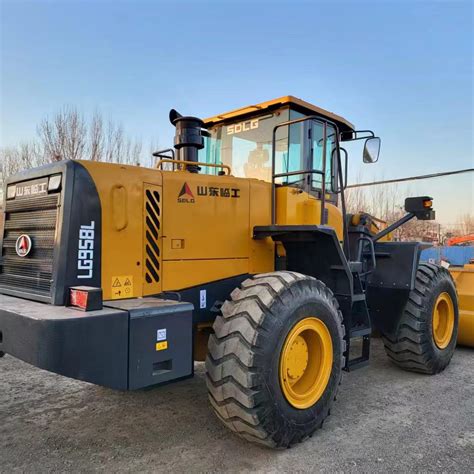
(384, 420)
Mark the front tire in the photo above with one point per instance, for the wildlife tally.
(275, 359)
(428, 328)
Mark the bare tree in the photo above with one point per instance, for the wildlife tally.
(69, 136)
(382, 201)
(65, 136)
(386, 202)
(25, 155)
(356, 199)
(96, 138)
(133, 150)
(466, 224)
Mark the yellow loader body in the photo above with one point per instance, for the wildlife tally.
(184, 229)
(464, 278)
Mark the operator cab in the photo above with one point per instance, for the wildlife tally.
(242, 139)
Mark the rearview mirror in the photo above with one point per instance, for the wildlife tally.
(371, 150)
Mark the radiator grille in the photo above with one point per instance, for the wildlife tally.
(152, 231)
(36, 217)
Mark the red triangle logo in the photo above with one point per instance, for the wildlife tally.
(186, 190)
(23, 244)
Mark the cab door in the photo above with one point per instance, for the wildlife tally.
(321, 156)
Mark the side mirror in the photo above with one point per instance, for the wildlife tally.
(371, 150)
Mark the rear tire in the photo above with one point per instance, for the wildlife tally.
(421, 344)
(243, 364)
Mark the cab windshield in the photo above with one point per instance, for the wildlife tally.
(245, 146)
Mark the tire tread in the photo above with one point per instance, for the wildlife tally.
(234, 385)
(412, 347)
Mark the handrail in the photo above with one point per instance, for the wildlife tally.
(294, 173)
(161, 153)
(361, 250)
(193, 163)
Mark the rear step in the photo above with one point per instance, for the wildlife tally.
(361, 329)
(363, 359)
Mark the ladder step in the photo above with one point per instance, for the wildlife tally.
(338, 268)
(356, 267)
(363, 358)
(358, 363)
(359, 332)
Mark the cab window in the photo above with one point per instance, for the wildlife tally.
(317, 136)
(246, 145)
(294, 158)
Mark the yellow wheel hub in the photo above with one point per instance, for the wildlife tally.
(297, 358)
(306, 363)
(443, 320)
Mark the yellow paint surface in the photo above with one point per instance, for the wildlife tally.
(179, 274)
(300, 208)
(120, 189)
(464, 279)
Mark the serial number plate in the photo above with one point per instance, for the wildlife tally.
(32, 188)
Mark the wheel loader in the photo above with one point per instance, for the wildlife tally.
(236, 249)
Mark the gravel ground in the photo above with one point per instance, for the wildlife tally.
(384, 420)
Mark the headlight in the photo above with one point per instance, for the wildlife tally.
(11, 191)
(54, 182)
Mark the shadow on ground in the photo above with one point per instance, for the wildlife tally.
(384, 419)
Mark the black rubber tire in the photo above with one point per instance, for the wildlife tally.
(244, 353)
(414, 348)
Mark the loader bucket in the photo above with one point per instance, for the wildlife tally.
(464, 279)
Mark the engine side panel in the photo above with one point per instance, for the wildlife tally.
(207, 223)
(121, 192)
(167, 231)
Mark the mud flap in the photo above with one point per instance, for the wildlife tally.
(390, 284)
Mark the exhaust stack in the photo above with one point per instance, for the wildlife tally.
(188, 138)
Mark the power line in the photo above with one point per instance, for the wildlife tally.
(412, 178)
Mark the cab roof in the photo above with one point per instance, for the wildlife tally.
(295, 103)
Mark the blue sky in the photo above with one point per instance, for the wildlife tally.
(402, 68)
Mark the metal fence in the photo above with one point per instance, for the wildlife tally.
(453, 255)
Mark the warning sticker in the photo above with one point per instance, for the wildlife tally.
(202, 299)
(122, 287)
(161, 346)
